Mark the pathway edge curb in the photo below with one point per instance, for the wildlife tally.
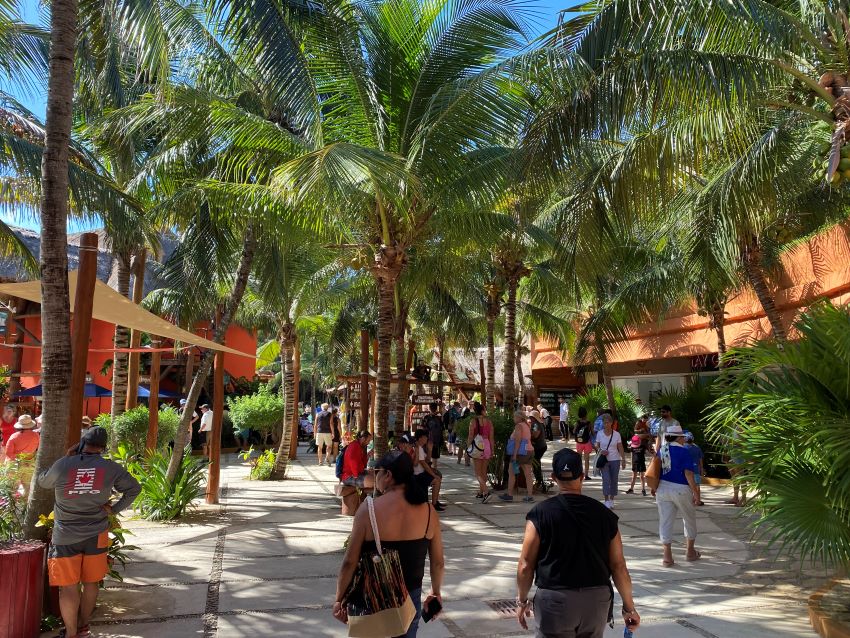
(824, 624)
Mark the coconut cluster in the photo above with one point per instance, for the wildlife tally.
(834, 83)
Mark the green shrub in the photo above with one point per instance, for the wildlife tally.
(131, 428)
(262, 465)
(785, 412)
(262, 412)
(161, 500)
(595, 399)
(12, 503)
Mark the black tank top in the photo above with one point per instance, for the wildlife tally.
(411, 554)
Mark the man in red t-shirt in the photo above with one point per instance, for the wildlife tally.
(354, 472)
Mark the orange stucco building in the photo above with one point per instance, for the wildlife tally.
(26, 330)
(684, 346)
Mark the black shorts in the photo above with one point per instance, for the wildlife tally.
(424, 480)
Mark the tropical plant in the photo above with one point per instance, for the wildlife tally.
(130, 429)
(12, 503)
(162, 499)
(262, 464)
(784, 412)
(262, 412)
(596, 398)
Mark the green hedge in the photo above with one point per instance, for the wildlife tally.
(596, 399)
(131, 428)
(262, 412)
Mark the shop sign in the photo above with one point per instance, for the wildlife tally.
(705, 362)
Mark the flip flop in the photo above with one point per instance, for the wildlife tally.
(693, 558)
(667, 563)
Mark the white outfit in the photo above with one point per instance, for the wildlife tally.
(564, 411)
(672, 498)
(602, 442)
(418, 469)
(207, 422)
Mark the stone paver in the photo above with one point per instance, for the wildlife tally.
(265, 563)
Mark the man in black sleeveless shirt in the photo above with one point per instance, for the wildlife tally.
(572, 549)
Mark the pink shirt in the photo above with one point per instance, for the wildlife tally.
(22, 442)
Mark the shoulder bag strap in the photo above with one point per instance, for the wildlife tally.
(371, 505)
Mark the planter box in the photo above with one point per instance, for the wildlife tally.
(21, 588)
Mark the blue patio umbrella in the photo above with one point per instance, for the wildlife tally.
(89, 391)
(145, 393)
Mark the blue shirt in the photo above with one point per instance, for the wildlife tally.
(680, 460)
(696, 455)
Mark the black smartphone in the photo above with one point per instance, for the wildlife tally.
(431, 609)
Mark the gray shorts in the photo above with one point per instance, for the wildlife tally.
(571, 613)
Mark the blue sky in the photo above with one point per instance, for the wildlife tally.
(544, 12)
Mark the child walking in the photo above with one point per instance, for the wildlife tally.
(638, 446)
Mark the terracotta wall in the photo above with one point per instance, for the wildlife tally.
(816, 269)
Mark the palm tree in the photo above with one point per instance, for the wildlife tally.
(643, 74)
(797, 393)
(401, 93)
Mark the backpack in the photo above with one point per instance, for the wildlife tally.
(340, 462)
(583, 432)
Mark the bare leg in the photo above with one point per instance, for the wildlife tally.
(529, 479)
(692, 553)
(435, 490)
(668, 555)
(642, 482)
(511, 480)
(69, 607)
(481, 475)
(87, 603)
(634, 478)
(586, 464)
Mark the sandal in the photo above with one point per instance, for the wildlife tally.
(667, 563)
(693, 558)
(630, 491)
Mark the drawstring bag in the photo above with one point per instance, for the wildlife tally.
(377, 600)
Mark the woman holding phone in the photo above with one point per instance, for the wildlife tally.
(407, 523)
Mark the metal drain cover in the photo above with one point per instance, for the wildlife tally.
(505, 607)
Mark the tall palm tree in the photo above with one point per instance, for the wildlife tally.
(409, 104)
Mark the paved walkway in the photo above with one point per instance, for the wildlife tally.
(265, 564)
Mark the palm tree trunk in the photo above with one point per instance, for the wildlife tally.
(510, 347)
(718, 319)
(756, 279)
(609, 390)
(520, 377)
(400, 396)
(249, 246)
(383, 381)
(121, 340)
(287, 350)
(490, 389)
(314, 372)
(53, 258)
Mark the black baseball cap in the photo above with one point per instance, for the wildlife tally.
(96, 437)
(567, 465)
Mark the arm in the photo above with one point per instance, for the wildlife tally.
(473, 426)
(349, 561)
(525, 571)
(129, 488)
(622, 580)
(689, 475)
(47, 480)
(438, 562)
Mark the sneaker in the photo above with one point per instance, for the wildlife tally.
(609, 505)
(587, 477)
(506, 497)
(479, 495)
(630, 491)
(486, 497)
(643, 492)
(528, 499)
(439, 507)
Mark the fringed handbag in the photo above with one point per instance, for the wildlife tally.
(377, 600)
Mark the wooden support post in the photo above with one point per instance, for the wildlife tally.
(375, 354)
(296, 371)
(363, 417)
(153, 402)
(83, 302)
(483, 381)
(135, 336)
(17, 353)
(214, 446)
(190, 370)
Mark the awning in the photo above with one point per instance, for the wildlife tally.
(112, 307)
(89, 390)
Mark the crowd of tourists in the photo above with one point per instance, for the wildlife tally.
(571, 550)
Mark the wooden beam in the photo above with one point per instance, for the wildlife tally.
(135, 336)
(17, 354)
(19, 322)
(83, 302)
(153, 401)
(215, 438)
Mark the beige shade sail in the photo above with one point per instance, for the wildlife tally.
(112, 307)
